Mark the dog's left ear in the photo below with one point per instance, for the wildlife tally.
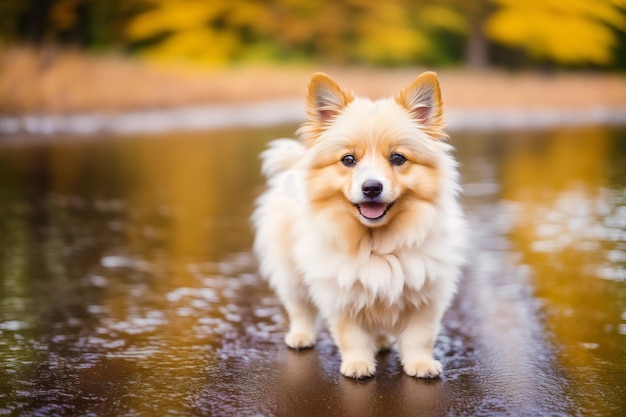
(422, 99)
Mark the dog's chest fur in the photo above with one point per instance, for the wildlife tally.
(378, 283)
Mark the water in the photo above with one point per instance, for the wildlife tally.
(127, 286)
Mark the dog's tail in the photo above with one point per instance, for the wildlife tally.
(281, 155)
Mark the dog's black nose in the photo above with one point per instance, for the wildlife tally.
(372, 188)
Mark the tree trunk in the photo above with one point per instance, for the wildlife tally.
(477, 47)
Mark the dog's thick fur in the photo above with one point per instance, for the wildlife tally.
(361, 223)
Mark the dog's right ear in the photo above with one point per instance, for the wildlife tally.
(325, 100)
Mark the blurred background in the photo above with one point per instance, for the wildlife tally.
(151, 47)
(477, 33)
(127, 282)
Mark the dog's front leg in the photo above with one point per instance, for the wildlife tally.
(356, 346)
(302, 315)
(417, 340)
(300, 310)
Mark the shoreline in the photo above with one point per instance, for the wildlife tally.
(75, 93)
(283, 112)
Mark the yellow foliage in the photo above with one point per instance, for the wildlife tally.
(339, 30)
(174, 16)
(394, 31)
(571, 32)
(191, 36)
(387, 35)
(440, 16)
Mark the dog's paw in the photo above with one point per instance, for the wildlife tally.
(358, 369)
(296, 340)
(428, 368)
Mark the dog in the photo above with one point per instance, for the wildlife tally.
(361, 224)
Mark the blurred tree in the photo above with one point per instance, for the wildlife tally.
(387, 32)
(566, 32)
(394, 32)
(202, 31)
(573, 32)
(384, 32)
(476, 43)
(10, 12)
(85, 23)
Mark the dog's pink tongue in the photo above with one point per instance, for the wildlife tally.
(372, 210)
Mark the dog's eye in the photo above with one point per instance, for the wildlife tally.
(348, 160)
(397, 159)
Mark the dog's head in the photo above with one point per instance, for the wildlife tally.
(374, 161)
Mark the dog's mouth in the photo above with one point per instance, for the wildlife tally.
(373, 210)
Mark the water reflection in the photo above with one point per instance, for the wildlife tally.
(127, 286)
(107, 296)
(568, 198)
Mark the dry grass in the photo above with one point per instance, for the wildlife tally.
(53, 81)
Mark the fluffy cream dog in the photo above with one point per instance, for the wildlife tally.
(361, 223)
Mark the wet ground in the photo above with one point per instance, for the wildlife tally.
(127, 286)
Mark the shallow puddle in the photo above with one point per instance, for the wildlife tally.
(127, 286)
